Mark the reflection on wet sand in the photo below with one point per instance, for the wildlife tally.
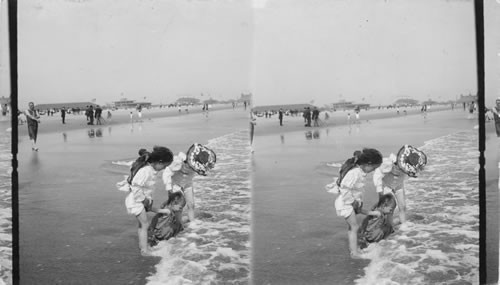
(316, 134)
(94, 133)
(312, 134)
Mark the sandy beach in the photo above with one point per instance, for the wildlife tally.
(74, 228)
(75, 121)
(297, 237)
(338, 118)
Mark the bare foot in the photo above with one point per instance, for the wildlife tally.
(146, 252)
(359, 254)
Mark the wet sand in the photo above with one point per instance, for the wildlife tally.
(339, 118)
(74, 228)
(297, 237)
(54, 123)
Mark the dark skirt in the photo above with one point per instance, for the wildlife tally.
(33, 130)
(375, 229)
(164, 227)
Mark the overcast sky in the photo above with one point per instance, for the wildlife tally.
(77, 50)
(283, 51)
(492, 51)
(4, 51)
(328, 50)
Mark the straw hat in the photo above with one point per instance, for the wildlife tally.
(200, 158)
(411, 160)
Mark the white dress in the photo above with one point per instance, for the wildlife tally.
(351, 189)
(142, 188)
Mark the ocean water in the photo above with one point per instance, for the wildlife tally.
(440, 243)
(5, 205)
(297, 238)
(216, 249)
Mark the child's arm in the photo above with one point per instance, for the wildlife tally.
(167, 178)
(160, 211)
(381, 171)
(377, 181)
(370, 213)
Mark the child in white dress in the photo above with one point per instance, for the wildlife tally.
(350, 186)
(142, 184)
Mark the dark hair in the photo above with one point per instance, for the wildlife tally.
(366, 156)
(176, 198)
(386, 200)
(161, 154)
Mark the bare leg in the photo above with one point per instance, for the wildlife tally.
(33, 145)
(401, 199)
(142, 231)
(189, 194)
(352, 234)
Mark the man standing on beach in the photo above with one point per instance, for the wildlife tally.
(315, 116)
(63, 114)
(139, 112)
(496, 116)
(32, 119)
(307, 116)
(280, 116)
(90, 111)
(87, 113)
(356, 112)
(98, 113)
(252, 130)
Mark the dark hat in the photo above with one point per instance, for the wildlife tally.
(200, 158)
(411, 160)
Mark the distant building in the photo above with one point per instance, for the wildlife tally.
(210, 101)
(429, 102)
(298, 107)
(4, 105)
(5, 100)
(125, 103)
(467, 99)
(406, 102)
(187, 101)
(346, 105)
(245, 97)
